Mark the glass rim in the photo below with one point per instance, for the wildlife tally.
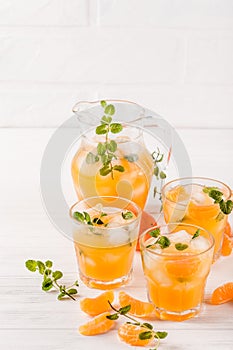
(91, 103)
(193, 178)
(139, 210)
(170, 255)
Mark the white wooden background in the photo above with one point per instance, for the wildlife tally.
(172, 56)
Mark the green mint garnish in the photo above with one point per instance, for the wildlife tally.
(149, 331)
(50, 278)
(82, 217)
(196, 234)
(181, 246)
(225, 206)
(155, 233)
(132, 157)
(86, 219)
(163, 241)
(127, 215)
(157, 158)
(106, 151)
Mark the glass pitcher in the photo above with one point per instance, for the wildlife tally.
(123, 151)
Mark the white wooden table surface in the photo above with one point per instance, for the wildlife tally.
(35, 320)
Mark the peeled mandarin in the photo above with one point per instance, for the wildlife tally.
(97, 305)
(222, 294)
(129, 333)
(98, 325)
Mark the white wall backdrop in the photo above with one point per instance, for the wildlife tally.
(173, 56)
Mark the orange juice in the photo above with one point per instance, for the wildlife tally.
(105, 249)
(185, 201)
(176, 278)
(133, 183)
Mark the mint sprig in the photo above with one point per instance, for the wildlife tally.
(225, 206)
(106, 151)
(50, 278)
(157, 158)
(162, 241)
(149, 331)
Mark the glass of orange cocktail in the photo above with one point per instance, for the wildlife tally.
(199, 201)
(105, 232)
(176, 261)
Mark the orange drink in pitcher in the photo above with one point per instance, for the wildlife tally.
(176, 261)
(105, 233)
(199, 201)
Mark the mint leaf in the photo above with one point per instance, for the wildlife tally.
(181, 246)
(119, 168)
(145, 335)
(105, 170)
(78, 216)
(115, 128)
(162, 175)
(57, 275)
(101, 129)
(48, 263)
(41, 267)
(133, 157)
(47, 284)
(91, 158)
(109, 109)
(226, 207)
(106, 120)
(113, 317)
(101, 148)
(112, 146)
(127, 216)
(103, 103)
(155, 233)
(163, 241)
(72, 291)
(31, 265)
(196, 234)
(124, 310)
(161, 335)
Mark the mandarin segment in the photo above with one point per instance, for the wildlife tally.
(227, 245)
(138, 308)
(97, 305)
(228, 231)
(98, 325)
(222, 294)
(129, 333)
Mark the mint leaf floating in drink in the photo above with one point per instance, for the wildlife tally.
(127, 215)
(225, 206)
(155, 233)
(50, 278)
(181, 246)
(196, 234)
(163, 241)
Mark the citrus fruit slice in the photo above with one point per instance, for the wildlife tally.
(97, 305)
(222, 294)
(138, 308)
(177, 194)
(129, 333)
(227, 244)
(228, 231)
(98, 325)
